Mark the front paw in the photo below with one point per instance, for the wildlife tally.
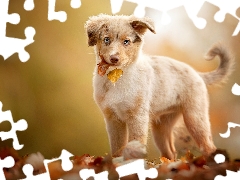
(134, 150)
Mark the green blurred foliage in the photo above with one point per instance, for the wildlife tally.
(53, 90)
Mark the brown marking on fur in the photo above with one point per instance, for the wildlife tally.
(156, 69)
(93, 26)
(105, 28)
(109, 113)
(141, 25)
(186, 139)
(171, 109)
(182, 72)
(91, 38)
(131, 112)
(173, 68)
(105, 87)
(102, 66)
(127, 53)
(103, 23)
(178, 97)
(186, 72)
(168, 110)
(100, 98)
(123, 37)
(155, 65)
(136, 39)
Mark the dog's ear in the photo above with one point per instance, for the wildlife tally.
(92, 26)
(140, 25)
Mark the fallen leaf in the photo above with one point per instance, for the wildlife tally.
(114, 75)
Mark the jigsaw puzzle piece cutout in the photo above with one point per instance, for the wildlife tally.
(12, 45)
(66, 165)
(116, 5)
(137, 167)
(29, 5)
(8, 45)
(28, 171)
(230, 175)
(227, 133)
(126, 8)
(156, 15)
(220, 158)
(236, 89)
(191, 7)
(226, 7)
(20, 125)
(7, 162)
(53, 15)
(13, 18)
(179, 19)
(87, 173)
(238, 12)
(237, 30)
(178, 14)
(208, 12)
(75, 4)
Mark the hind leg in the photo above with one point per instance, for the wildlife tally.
(196, 118)
(163, 134)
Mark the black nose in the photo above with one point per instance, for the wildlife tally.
(114, 58)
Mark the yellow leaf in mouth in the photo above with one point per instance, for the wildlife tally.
(114, 75)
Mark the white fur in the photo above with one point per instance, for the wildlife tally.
(154, 91)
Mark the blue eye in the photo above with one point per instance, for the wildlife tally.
(126, 42)
(107, 40)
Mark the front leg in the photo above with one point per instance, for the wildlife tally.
(138, 127)
(117, 132)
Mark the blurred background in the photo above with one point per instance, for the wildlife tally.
(53, 90)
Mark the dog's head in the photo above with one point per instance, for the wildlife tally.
(117, 39)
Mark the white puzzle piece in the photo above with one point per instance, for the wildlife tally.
(138, 168)
(20, 125)
(10, 45)
(66, 166)
(192, 8)
(7, 162)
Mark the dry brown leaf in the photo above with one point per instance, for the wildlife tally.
(165, 160)
(114, 75)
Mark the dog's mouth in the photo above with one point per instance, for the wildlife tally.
(103, 66)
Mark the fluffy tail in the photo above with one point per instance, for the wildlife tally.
(225, 68)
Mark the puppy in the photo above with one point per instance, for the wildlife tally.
(154, 91)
